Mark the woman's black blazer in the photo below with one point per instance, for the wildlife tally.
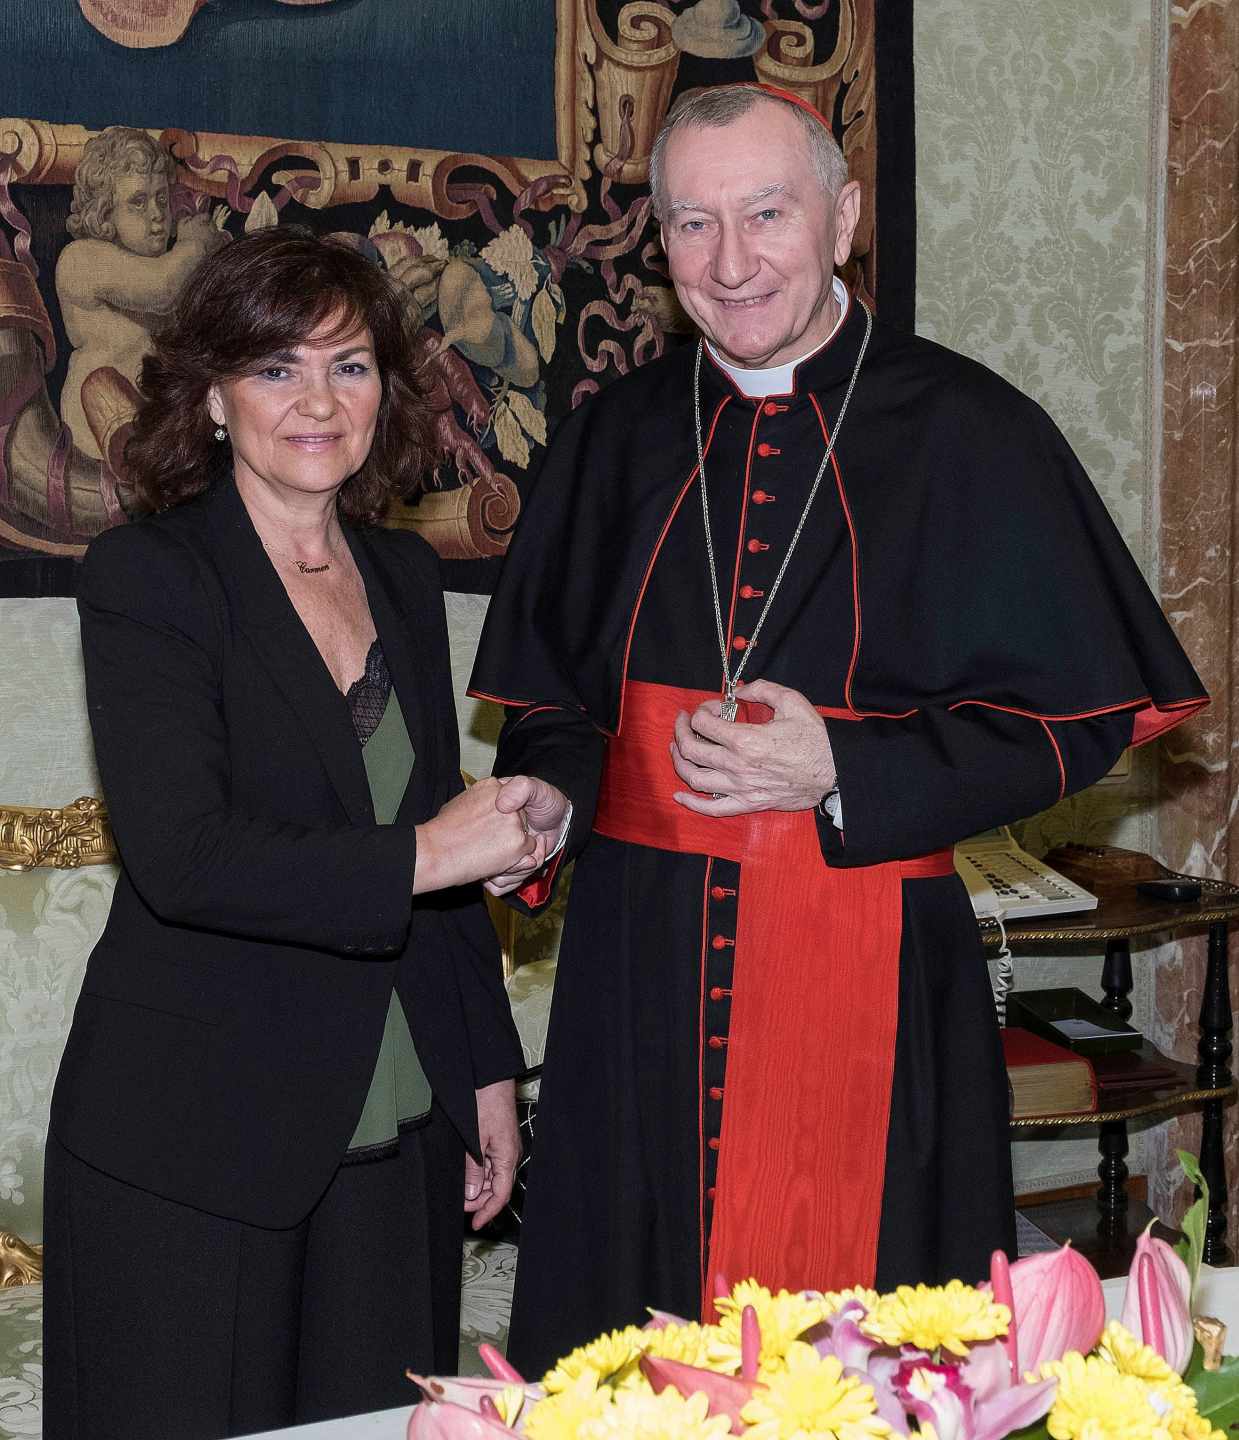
(231, 1013)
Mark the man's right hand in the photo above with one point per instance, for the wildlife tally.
(469, 839)
(544, 808)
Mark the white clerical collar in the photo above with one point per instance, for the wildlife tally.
(780, 379)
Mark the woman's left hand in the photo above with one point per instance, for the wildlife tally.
(488, 1186)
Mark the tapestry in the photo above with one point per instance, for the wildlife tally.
(491, 155)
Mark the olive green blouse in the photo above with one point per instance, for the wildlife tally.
(399, 1092)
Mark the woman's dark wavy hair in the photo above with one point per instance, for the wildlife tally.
(248, 301)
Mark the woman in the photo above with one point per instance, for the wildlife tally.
(293, 1027)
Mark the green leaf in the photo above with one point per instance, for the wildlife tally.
(1217, 1393)
(1191, 1248)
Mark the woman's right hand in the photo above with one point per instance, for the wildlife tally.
(469, 840)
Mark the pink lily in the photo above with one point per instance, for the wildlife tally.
(863, 1357)
(941, 1394)
(1156, 1307)
(1056, 1305)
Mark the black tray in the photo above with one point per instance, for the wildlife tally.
(1039, 1010)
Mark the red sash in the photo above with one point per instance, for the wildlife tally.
(815, 1000)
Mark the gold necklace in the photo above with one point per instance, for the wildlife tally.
(303, 565)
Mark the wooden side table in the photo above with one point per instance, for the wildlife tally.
(1144, 1083)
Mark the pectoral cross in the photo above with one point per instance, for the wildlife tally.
(730, 704)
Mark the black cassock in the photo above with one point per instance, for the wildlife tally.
(961, 591)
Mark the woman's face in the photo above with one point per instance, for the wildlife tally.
(304, 422)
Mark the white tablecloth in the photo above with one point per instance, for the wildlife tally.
(380, 1425)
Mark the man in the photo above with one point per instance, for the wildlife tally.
(773, 1049)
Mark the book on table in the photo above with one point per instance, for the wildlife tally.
(1046, 1079)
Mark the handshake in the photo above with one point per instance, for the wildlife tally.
(499, 831)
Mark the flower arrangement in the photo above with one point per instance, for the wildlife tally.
(1026, 1354)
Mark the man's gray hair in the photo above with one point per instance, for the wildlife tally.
(722, 105)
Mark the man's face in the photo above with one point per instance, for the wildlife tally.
(140, 213)
(751, 236)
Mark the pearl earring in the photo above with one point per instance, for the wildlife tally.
(220, 433)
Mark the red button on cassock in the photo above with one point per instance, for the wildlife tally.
(716, 1092)
(721, 942)
(763, 449)
(717, 892)
(760, 497)
(713, 1142)
(716, 992)
(770, 408)
(716, 1042)
(740, 643)
(755, 547)
(710, 1193)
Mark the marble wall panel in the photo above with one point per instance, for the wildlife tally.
(1199, 828)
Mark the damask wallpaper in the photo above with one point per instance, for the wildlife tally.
(1037, 230)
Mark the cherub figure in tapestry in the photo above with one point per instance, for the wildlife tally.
(118, 277)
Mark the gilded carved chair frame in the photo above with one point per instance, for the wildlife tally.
(62, 838)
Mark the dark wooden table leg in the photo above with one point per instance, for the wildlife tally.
(1116, 982)
(1116, 979)
(1214, 1074)
(1112, 1197)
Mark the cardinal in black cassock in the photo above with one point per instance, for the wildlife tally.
(773, 1048)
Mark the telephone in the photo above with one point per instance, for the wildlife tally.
(1007, 882)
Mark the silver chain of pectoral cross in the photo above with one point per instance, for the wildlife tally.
(730, 681)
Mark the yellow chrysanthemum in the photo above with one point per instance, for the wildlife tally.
(931, 1317)
(813, 1400)
(835, 1300)
(667, 1416)
(611, 1358)
(1170, 1394)
(781, 1319)
(691, 1344)
(560, 1416)
(1097, 1402)
(1121, 1349)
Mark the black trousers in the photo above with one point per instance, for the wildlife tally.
(161, 1320)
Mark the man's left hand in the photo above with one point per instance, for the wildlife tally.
(488, 1186)
(785, 764)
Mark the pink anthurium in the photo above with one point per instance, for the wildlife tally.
(750, 1343)
(1000, 1283)
(432, 1420)
(725, 1394)
(1057, 1306)
(498, 1366)
(1156, 1307)
(467, 1390)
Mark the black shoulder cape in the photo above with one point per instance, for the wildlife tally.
(986, 569)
